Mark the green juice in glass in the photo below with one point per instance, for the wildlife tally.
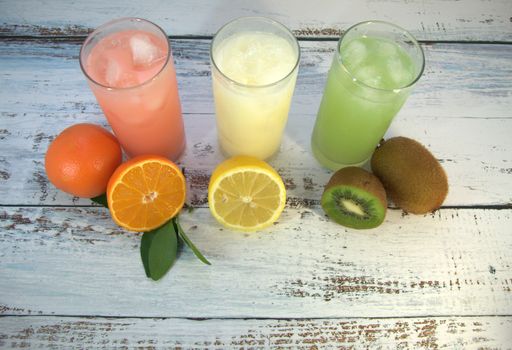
(369, 80)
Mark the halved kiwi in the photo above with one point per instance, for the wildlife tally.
(355, 198)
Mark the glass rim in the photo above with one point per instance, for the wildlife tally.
(281, 26)
(404, 31)
(105, 26)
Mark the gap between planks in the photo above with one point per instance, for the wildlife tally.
(251, 318)
(80, 38)
(292, 206)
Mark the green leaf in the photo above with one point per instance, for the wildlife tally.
(189, 243)
(101, 199)
(145, 244)
(158, 250)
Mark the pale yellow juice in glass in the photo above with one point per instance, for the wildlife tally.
(253, 81)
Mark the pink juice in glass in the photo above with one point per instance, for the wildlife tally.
(132, 75)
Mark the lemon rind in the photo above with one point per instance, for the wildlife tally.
(274, 176)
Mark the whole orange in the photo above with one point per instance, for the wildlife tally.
(81, 160)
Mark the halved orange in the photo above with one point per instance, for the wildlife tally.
(145, 192)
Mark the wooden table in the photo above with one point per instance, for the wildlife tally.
(70, 278)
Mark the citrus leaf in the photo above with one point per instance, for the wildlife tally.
(145, 244)
(189, 243)
(101, 199)
(158, 250)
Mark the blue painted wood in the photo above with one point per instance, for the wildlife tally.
(76, 261)
(460, 110)
(427, 20)
(387, 287)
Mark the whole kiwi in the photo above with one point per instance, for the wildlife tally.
(414, 180)
(355, 198)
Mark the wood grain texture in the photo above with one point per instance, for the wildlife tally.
(75, 261)
(427, 20)
(461, 110)
(396, 333)
(70, 278)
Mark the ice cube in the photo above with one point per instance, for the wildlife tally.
(398, 72)
(369, 75)
(354, 53)
(113, 73)
(144, 52)
(387, 49)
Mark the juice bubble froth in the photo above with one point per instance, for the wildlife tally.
(126, 59)
(378, 63)
(255, 58)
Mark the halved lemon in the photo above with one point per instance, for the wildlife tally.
(246, 194)
(145, 192)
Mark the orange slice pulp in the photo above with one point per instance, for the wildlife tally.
(145, 192)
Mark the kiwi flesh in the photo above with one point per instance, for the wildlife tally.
(413, 178)
(355, 198)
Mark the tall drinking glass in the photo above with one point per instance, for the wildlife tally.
(129, 66)
(254, 68)
(374, 69)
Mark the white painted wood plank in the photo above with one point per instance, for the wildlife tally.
(461, 110)
(405, 333)
(428, 20)
(75, 261)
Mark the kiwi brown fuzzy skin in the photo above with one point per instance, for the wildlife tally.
(360, 179)
(414, 180)
(357, 177)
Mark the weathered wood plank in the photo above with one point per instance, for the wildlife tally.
(75, 261)
(428, 20)
(460, 109)
(395, 333)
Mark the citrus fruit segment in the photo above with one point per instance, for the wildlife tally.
(81, 160)
(246, 194)
(145, 192)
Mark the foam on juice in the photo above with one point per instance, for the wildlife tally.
(251, 116)
(255, 58)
